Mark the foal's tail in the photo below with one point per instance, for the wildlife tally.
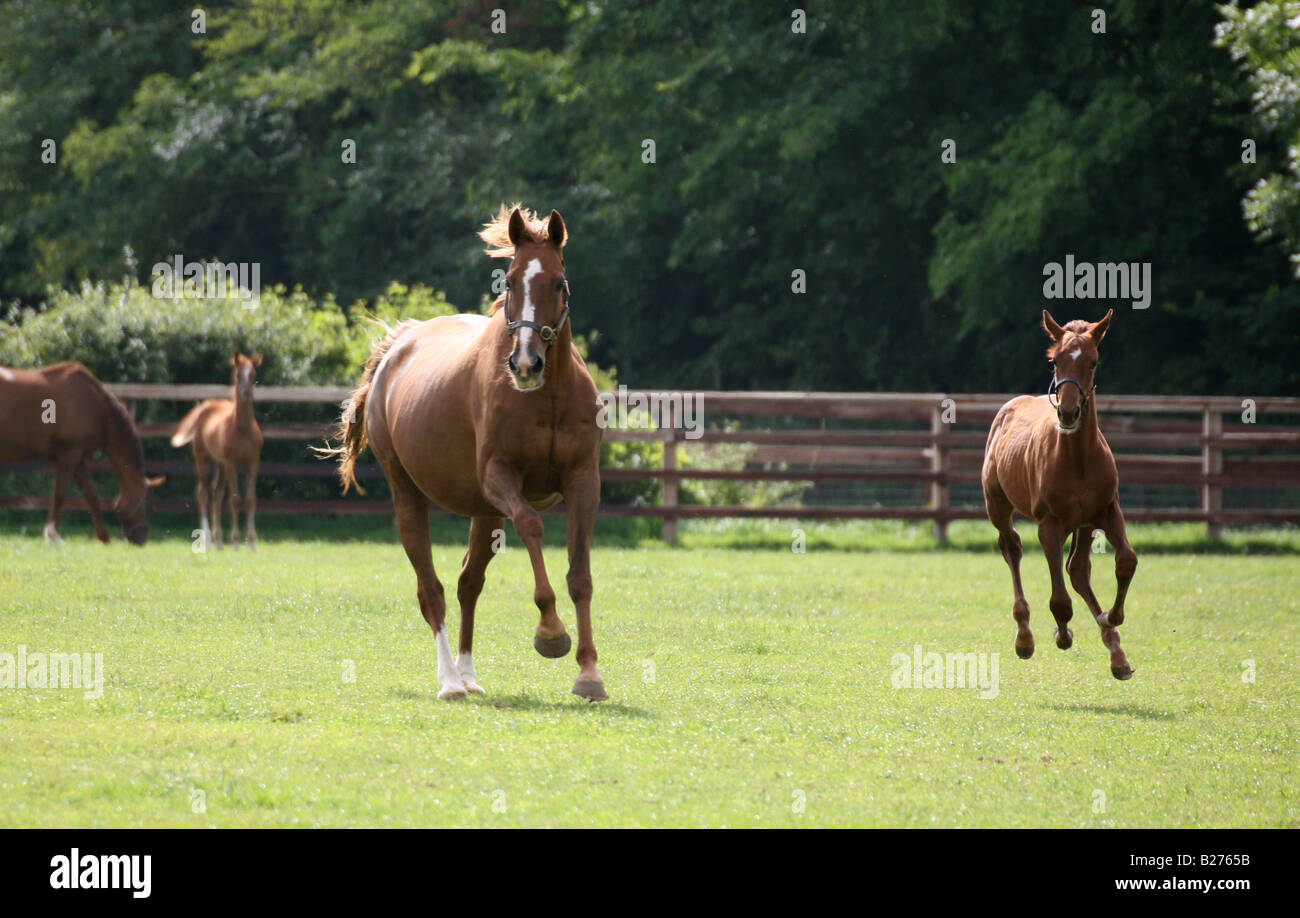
(188, 427)
(351, 429)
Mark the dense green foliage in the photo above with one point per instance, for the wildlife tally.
(776, 151)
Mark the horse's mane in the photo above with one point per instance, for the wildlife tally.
(123, 427)
(496, 233)
(1078, 327)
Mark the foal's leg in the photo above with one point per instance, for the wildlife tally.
(1125, 565)
(582, 497)
(1052, 537)
(1000, 510)
(202, 495)
(64, 466)
(501, 487)
(250, 502)
(411, 510)
(217, 499)
(232, 489)
(87, 488)
(468, 588)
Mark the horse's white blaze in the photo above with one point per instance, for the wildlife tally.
(450, 683)
(1074, 354)
(529, 313)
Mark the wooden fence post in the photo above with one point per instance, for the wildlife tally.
(939, 499)
(669, 489)
(1212, 464)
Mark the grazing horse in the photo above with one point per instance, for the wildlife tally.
(1049, 461)
(225, 432)
(489, 417)
(63, 414)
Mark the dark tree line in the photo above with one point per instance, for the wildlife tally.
(787, 150)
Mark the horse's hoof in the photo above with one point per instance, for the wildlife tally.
(451, 692)
(1024, 653)
(1122, 672)
(552, 647)
(1115, 617)
(1064, 638)
(474, 688)
(591, 689)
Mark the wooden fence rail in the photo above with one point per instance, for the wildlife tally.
(933, 441)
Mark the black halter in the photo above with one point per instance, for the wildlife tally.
(1056, 384)
(547, 333)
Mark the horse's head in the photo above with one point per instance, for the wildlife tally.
(1074, 359)
(536, 302)
(132, 507)
(243, 373)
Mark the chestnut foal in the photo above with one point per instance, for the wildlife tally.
(1049, 461)
(489, 417)
(225, 432)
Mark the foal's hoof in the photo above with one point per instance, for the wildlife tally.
(1064, 638)
(552, 647)
(1024, 653)
(1122, 672)
(591, 689)
(1115, 617)
(451, 692)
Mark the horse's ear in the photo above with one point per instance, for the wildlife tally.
(555, 229)
(234, 358)
(1099, 328)
(257, 359)
(1054, 331)
(516, 226)
(155, 481)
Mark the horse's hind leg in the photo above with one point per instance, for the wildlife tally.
(482, 534)
(411, 508)
(64, 467)
(1052, 537)
(1000, 510)
(87, 488)
(1125, 566)
(201, 494)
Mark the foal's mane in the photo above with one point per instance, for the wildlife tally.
(496, 233)
(1079, 327)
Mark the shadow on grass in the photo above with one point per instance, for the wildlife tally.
(532, 703)
(1122, 710)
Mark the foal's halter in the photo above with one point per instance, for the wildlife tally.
(548, 333)
(1054, 386)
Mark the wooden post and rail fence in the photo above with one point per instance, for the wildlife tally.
(926, 442)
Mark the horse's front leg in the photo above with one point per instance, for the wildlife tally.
(1052, 536)
(1126, 562)
(502, 488)
(582, 497)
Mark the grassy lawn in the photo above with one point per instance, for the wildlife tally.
(749, 686)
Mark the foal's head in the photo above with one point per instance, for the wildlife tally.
(243, 373)
(536, 298)
(1073, 356)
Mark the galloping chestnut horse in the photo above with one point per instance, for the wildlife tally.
(1050, 462)
(63, 414)
(489, 417)
(225, 432)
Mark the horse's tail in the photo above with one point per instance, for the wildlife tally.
(351, 429)
(188, 427)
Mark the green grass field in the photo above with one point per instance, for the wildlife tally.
(750, 686)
